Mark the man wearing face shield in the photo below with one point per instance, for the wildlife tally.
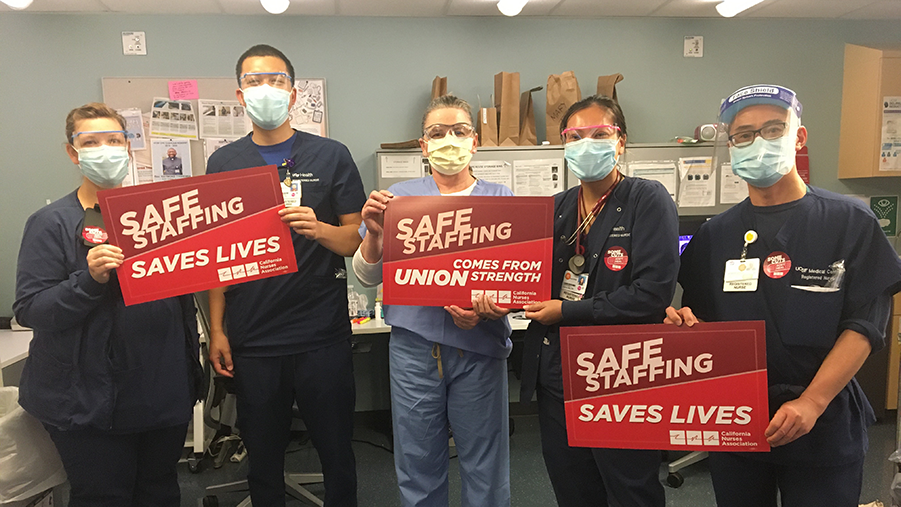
(448, 367)
(287, 339)
(113, 385)
(825, 275)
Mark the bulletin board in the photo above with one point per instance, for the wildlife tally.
(139, 92)
(309, 113)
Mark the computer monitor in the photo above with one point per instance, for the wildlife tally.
(688, 226)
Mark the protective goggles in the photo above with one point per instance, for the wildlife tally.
(91, 138)
(573, 134)
(273, 79)
(439, 130)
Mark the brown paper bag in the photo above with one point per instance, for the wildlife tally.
(562, 92)
(439, 87)
(506, 100)
(486, 126)
(607, 85)
(527, 135)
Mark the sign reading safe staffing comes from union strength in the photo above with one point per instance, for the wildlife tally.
(659, 386)
(447, 250)
(198, 233)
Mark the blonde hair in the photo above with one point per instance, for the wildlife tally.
(447, 102)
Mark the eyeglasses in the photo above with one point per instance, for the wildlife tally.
(273, 79)
(573, 134)
(439, 130)
(768, 132)
(89, 139)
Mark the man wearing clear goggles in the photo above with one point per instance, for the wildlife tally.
(823, 275)
(114, 385)
(288, 337)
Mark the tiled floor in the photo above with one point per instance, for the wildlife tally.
(530, 485)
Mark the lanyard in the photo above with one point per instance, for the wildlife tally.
(584, 223)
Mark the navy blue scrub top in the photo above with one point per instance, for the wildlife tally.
(639, 218)
(306, 310)
(804, 315)
(94, 362)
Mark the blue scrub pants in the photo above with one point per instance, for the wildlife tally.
(582, 476)
(321, 382)
(472, 398)
(121, 470)
(743, 481)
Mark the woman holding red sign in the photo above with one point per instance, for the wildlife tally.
(448, 367)
(616, 259)
(113, 385)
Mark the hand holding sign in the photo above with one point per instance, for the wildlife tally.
(102, 259)
(374, 211)
(303, 220)
(681, 316)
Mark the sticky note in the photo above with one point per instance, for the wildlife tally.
(183, 90)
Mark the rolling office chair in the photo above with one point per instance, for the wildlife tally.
(217, 392)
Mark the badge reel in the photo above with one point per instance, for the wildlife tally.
(742, 274)
(574, 281)
(291, 191)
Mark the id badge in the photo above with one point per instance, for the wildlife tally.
(291, 191)
(741, 275)
(573, 288)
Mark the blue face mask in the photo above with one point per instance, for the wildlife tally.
(763, 162)
(267, 106)
(104, 165)
(591, 159)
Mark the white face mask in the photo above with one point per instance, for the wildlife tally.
(450, 154)
(105, 165)
(267, 107)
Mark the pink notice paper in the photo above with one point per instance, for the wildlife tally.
(183, 90)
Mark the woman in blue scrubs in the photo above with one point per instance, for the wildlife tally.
(448, 368)
(113, 385)
(622, 234)
(826, 274)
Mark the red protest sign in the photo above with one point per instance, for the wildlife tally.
(442, 251)
(658, 386)
(193, 234)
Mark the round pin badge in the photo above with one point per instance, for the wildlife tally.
(777, 265)
(616, 258)
(94, 235)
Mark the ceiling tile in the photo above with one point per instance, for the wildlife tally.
(297, 7)
(885, 9)
(418, 8)
(688, 9)
(163, 6)
(62, 6)
(489, 8)
(605, 8)
(804, 8)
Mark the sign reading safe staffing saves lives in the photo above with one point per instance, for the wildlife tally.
(658, 386)
(441, 250)
(197, 233)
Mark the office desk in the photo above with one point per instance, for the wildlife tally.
(13, 348)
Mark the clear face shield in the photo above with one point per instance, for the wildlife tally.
(757, 133)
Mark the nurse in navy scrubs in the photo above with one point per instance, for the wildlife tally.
(826, 274)
(622, 234)
(113, 385)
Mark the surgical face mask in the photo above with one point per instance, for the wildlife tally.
(450, 154)
(267, 106)
(763, 162)
(105, 165)
(591, 159)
